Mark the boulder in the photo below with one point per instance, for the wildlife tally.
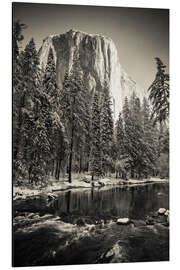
(19, 218)
(123, 221)
(36, 216)
(31, 215)
(150, 221)
(80, 222)
(166, 213)
(161, 211)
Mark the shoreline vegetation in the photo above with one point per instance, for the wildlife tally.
(26, 190)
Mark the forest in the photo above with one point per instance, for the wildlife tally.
(58, 132)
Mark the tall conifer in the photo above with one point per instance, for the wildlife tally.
(74, 106)
(95, 153)
(107, 129)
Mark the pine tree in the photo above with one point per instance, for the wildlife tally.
(95, 153)
(50, 80)
(122, 159)
(17, 79)
(106, 127)
(128, 129)
(136, 137)
(54, 125)
(34, 145)
(163, 151)
(126, 113)
(32, 141)
(150, 137)
(74, 106)
(134, 142)
(17, 37)
(120, 137)
(159, 93)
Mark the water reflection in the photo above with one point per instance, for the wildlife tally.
(134, 202)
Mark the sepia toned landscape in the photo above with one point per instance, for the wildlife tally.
(90, 134)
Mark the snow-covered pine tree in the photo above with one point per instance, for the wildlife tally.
(17, 83)
(120, 139)
(95, 153)
(74, 106)
(150, 135)
(134, 134)
(27, 83)
(128, 126)
(139, 142)
(54, 125)
(159, 93)
(34, 151)
(107, 129)
(17, 37)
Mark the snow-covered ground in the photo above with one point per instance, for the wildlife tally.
(27, 190)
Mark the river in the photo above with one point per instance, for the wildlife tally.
(134, 201)
(60, 240)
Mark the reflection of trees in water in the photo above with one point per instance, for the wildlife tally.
(146, 199)
(68, 198)
(133, 202)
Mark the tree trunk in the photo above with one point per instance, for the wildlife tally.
(132, 173)
(68, 197)
(59, 169)
(29, 172)
(80, 163)
(52, 168)
(70, 156)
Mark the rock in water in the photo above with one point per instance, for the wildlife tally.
(123, 221)
(161, 211)
(150, 221)
(80, 222)
(99, 61)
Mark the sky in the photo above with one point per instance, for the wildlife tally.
(140, 34)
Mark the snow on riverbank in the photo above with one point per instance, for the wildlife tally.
(27, 190)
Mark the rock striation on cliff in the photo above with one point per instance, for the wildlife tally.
(98, 59)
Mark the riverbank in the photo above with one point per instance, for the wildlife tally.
(25, 190)
(47, 240)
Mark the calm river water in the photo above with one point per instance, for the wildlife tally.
(134, 202)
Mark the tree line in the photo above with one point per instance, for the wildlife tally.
(58, 131)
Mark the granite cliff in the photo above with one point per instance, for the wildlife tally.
(98, 59)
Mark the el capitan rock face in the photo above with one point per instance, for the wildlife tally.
(98, 59)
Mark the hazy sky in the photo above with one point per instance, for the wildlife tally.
(139, 34)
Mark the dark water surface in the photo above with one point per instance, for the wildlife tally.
(134, 201)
